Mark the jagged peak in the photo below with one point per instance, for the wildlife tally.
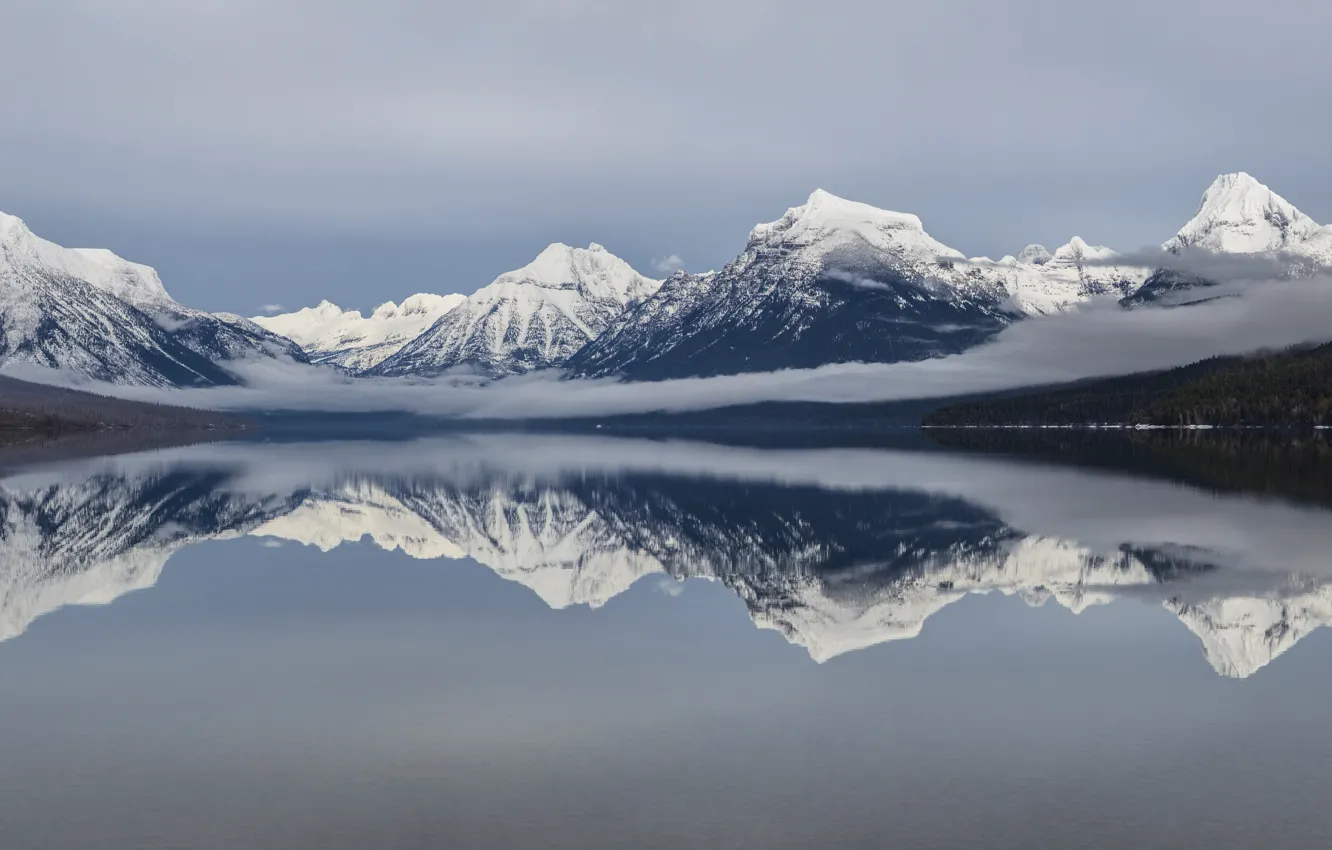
(1077, 249)
(1238, 214)
(561, 266)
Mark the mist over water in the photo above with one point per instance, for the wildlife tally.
(507, 641)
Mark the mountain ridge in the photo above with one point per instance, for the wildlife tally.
(91, 312)
(345, 338)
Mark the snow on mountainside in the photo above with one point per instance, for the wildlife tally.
(1041, 283)
(832, 280)
(91, 312)
(1239, 215)
(531, 318)
(329, 334)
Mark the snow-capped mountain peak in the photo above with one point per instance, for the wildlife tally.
(1240, 215)
(592, 270)
(830, 281)
(138, 284)
(530, 318)
(826, 222)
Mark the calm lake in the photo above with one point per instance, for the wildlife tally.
(498, 641)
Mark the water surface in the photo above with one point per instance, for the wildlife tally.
(512, 641)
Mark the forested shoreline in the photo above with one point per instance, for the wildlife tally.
(28, 408)
(1291, 388)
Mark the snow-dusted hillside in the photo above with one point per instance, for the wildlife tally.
(345, 338)
(93, 313)
(531, 318)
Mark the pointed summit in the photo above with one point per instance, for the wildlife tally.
(1240, 215)
(592, 269)
(530, 318)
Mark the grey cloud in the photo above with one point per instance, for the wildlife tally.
(1213, 266)
(858, 281)
(669, 265)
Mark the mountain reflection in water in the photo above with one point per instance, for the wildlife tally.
(836, 549)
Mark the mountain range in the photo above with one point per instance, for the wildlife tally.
(830, 281)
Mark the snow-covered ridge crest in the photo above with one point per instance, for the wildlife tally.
(826, 222)
(330, 334)
(1038, 282)
(136, 283)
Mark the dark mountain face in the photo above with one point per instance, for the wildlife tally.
(1169, 285)
(72, 325)
(764, 318)
(79, 327)
(97, 315)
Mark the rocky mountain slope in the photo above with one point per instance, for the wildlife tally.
(532, 318)
(95, 314)
(830, 281)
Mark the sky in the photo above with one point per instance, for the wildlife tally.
(262, 153)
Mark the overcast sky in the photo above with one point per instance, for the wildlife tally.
(262, 152)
